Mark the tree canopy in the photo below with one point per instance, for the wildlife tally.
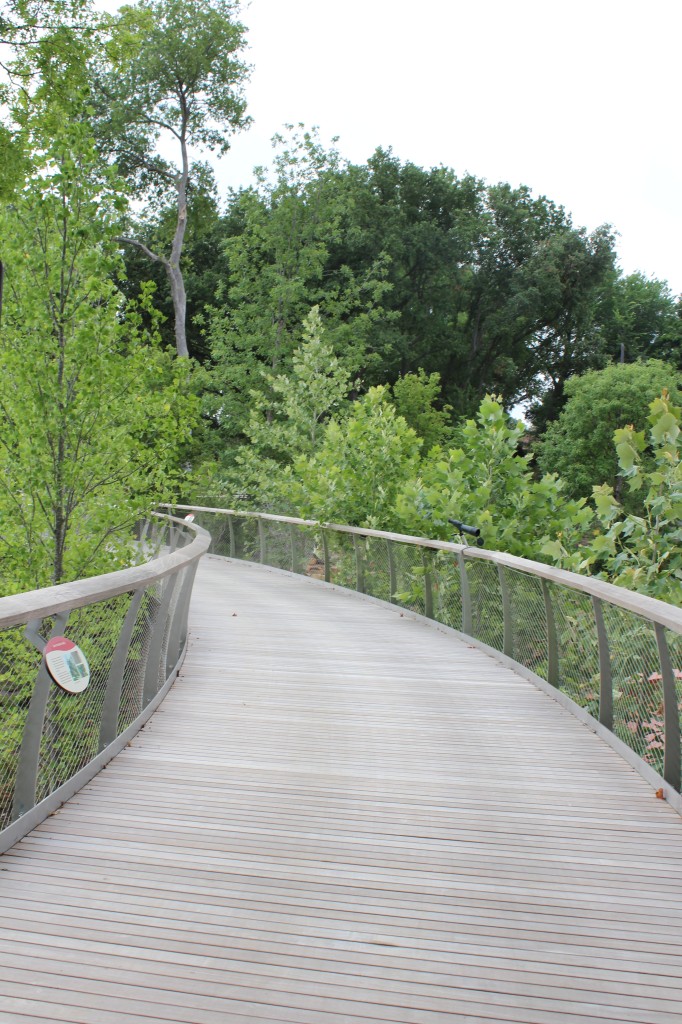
(171, 70)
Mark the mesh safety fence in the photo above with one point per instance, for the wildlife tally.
(547, 627)
(530, 640)
(578, 647)
(638, 715)
(487, 621)
(19, 664)
(130, 642)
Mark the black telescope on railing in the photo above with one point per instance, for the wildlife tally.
(473, 531)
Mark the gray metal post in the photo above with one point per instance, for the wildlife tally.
(294, 556)
(605, 680)
(263, 545)
(327, 564)
(112, 695)
(465, 595)
(506, 613)
(230, 526)
(428, 586)
(29, 753)
(671, 756)
(151, 672)
(359, 567)
(392, 575)
(552, 639)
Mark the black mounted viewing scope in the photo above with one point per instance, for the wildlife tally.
(473, 531)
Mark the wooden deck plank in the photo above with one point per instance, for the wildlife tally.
(341, 815)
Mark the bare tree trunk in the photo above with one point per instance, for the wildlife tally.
(172, 265)
(177, 287)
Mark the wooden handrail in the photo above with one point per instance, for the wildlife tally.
(649, 608)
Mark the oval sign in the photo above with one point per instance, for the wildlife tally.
(67, 664)
(189, 518)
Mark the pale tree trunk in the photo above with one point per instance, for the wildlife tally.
(177, 284)
(172, 265)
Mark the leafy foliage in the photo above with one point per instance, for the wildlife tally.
(93, 413)
(578, 445)
(279, 268)
(171, 70)
(642, 552)
(416, 397)
(484, 480)
(362, 462)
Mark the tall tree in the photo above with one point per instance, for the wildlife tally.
(92, 413)
(173, 73)
(279, 268)
(643, 320)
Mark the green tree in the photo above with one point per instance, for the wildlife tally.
(279, 268)
(92, 414)
(491, 287)
(172, 72)
(416, 397)
(286, 419)
(484, 480)
(640, 551)
(643, 321)
(362, 462)
(578, 445)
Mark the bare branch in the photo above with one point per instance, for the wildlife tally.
(124, 240)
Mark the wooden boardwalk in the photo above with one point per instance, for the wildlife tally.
(341, 815)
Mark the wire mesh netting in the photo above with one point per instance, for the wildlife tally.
(277, 544)
(70, 736)
(529, 621)
(551, 628)
(132, 689)
(308, 552)
(169, 652)
(342, 564)
(376, 567)
(72, 723)
(19, 664)
(219, 526)
(409, 571)
(447, 589)
(578, 648)
(487, 621)
(638, 716)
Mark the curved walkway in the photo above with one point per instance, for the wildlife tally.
(341, 815)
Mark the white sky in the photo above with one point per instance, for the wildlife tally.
(579, 100)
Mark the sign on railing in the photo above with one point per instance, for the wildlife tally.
(83, 665)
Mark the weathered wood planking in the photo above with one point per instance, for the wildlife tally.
(340, 814)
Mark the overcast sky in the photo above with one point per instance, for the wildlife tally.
(579, 100)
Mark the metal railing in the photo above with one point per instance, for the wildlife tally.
(131, 626)
(613, 657)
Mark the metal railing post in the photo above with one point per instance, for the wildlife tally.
(294, 557)
(359, 567)
(262, 540)
(552, 639)
(29, 753)
(428, 586)
(605, 679)
(151, 672)
(327, 564)
(465, 595)
(392, 575)
(111, 705)
(508, 642)
(230, 526)
(671, 714)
